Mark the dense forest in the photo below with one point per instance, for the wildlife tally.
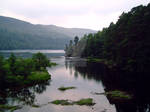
(124, 44)
(17, 34)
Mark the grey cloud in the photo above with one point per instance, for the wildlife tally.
(38, 9)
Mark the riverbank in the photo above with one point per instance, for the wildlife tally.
(109, 64)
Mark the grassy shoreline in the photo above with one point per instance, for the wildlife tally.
(117, 96)
(17, 72)
(109, 64)
(36, 77)
(97, 60)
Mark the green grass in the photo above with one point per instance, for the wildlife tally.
(38, 76)
(53, 64)
(66, 88)
(34, 78)
(118, 95)
(97, 60)
(109, 63)
(35, 106)
(88, 102)
(8, 107)
(62, 102)
(14, 79)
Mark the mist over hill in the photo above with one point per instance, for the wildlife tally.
(17, 34)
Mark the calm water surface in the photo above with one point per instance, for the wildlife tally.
(28, 53)
(87, 78)
(65, 75)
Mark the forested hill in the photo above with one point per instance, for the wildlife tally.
(125, 44)
(17, 34)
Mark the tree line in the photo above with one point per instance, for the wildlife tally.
(124, 44)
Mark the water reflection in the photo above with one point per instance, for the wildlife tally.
(135, 83)
(90, 71)
(87, 77)
(24, 96)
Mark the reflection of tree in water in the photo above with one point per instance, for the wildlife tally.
(86, 70)
(91, 71)
(40, 88)
(136, 83)
(134, 107)
(23, 96)
(75, 74)
(66, 64)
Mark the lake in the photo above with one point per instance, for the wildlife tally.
(88, 78)
(28, 53)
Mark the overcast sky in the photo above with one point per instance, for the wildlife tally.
(93, 14)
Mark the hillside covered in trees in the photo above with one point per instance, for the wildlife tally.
(125, 44)
(17, 34)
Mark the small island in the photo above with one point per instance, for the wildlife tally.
(66, 88)
(22, 72)
(81, 102)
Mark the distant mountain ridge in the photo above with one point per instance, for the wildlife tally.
(72, 32)
(18, 34)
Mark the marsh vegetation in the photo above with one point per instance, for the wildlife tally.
(20, 72)
(86, 101)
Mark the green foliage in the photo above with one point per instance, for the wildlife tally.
(37, 77)
(40, 61)
(12, 62)
(33, 78)
(24, 67)
(86, 101)
(2, 71)
(22, 72)
(97, 60)
(69, 49)
(17, 34)
(125, 44)
(76, 50)
(118, 95)
(13, 81)
(76, 39)
(35, 106)
(62, 102)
